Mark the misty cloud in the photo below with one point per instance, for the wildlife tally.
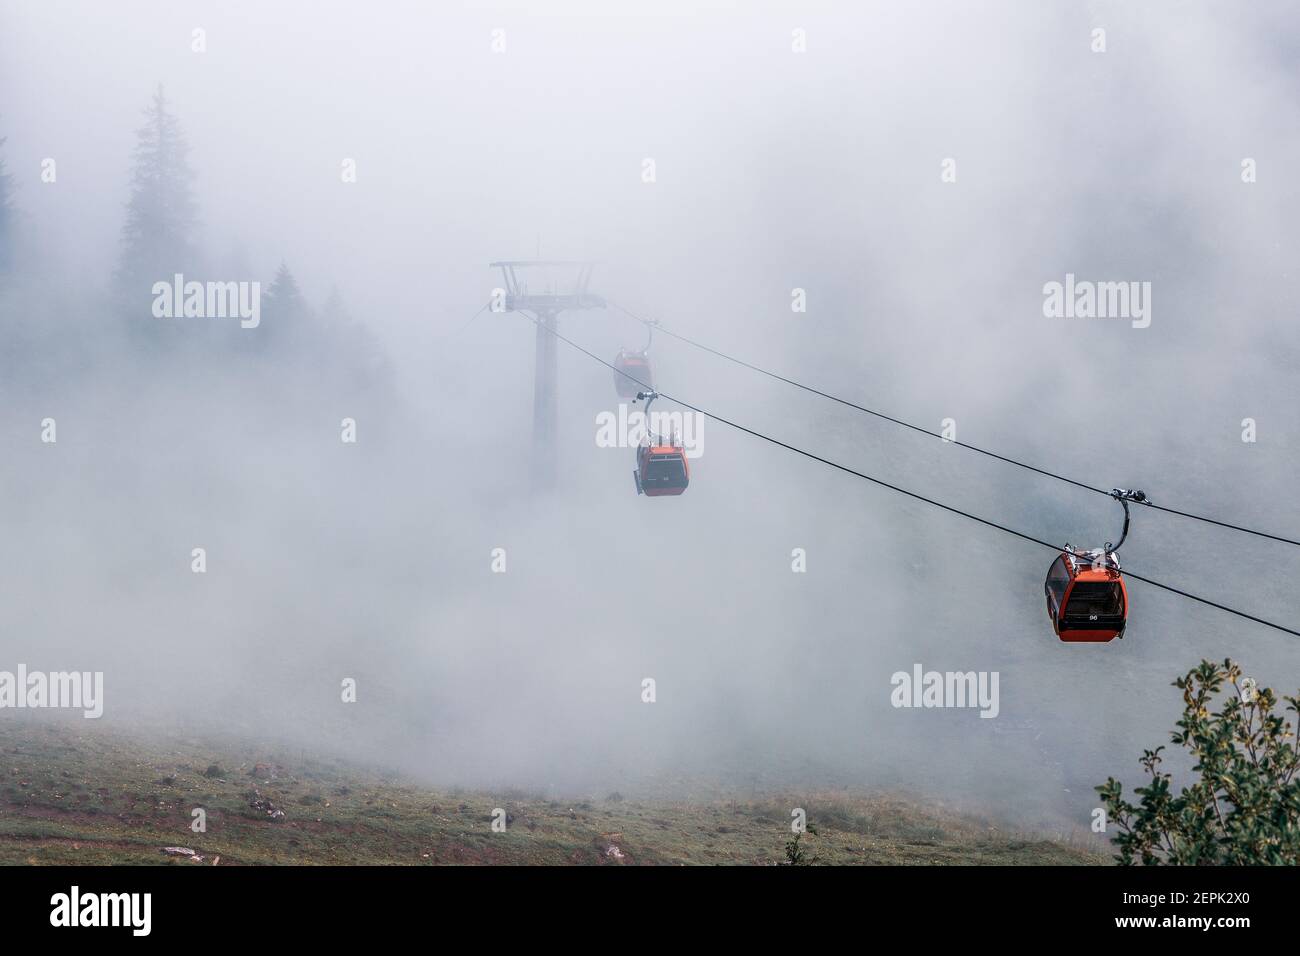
(919, 174)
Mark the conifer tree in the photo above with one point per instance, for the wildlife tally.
(158, 234)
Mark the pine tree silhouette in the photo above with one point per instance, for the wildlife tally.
(157, 236)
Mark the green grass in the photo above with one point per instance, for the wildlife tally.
(74, 795)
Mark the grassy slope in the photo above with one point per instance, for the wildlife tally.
(72, 795)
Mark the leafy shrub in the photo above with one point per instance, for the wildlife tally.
(1244, 806)
(794, 855)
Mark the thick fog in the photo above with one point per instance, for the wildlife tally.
(387, 153)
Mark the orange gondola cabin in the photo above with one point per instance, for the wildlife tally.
(661, 470)
(632, 373)
(1086, 597)
(661, 467)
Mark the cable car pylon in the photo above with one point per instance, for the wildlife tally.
(528, 286)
